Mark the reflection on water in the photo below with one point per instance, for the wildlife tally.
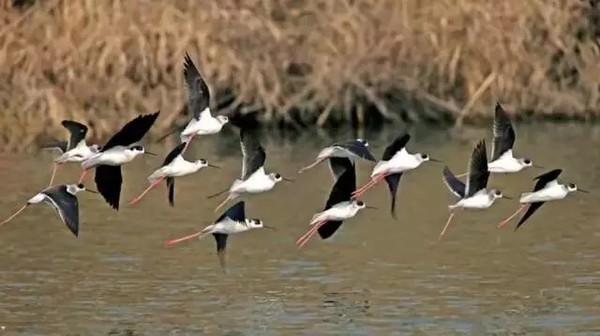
(375, 276)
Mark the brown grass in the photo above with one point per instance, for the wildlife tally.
(318, 61)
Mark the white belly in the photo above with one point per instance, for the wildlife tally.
(253, 185)
(340, 211)
(544, 195)
(229, 227)
(505, 165)
(203, 126)
(480, 201)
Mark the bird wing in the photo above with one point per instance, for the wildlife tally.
(77, 131)
(175, 152)
(544, 179)
(132, 132)
(478, 170)
(171, 187)
(358, 148)
(253, 153)
(343, 188)
(62, 146)
(329, 228)
(108, 181)
(236, 213)
(504, 134)
(392, 181)
(66, 205)
(338, 166)
(456, 186)
(221, 240)
(198, 94)
(397, 145)
(530, 210)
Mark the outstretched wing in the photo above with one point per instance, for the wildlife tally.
(456, 186)
(171, 187)
(198, 94)
(530, 210)
(545, 178)
(254, 155)
(343, 188)
(132, 132)
(174, 153)
(329, 228)
(478, 170)
(77, 130)
(504, 134)
(392, 181)
(396, 146)
(221, 240)
(338, 166)
(66, 205)
(236, 213)
(108, 181)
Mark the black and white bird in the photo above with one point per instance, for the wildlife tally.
(232, 221)
(473, 195)
(73, 150)
(173, 166)
(339, 207)
(351, 149)
(395, 161)
(117, 151)
(254, 179)
(546, 189)
(63, 199)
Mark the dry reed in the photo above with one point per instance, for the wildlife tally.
(310, 61)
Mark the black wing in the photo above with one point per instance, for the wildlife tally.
(221, 240)
(545, 178)
(396, 146)
(132, 132)
(478, 170)
(77, 131)
(329, 228)
(236, 213)
(530, 210)
(504, 134)
(108, 181)
(343, 188)
(66, 205)
(338, 166)
(62, 146)
(198, 94)
(456, 186)
(174, 153)
(171, 187)
(359, 148)
(254, 155)
(392, 181)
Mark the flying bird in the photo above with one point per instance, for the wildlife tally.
(546, 189)
(339, 207)
(395, 161)
(473, 195)
(351, 149)
(73, 150)
(232, 221)
(117, 151)
(254, 179)
(63, 199)
(173, 166)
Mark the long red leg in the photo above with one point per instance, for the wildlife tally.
(223, 203)
(310, 166)
(14, 215)
(304, 239)
(82, 177)
(376, 179)
(187, 142)
(182, 239)
(54, 169)
(152, 185)
(446, 226)
(504, 222)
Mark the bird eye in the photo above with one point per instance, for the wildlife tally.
(277, 176)
(527, 161)
(202, 161)
(360, 203)
(80, 186)
(498, 193)
(424, 156)
(572, 186)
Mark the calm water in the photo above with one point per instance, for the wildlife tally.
(377, 276)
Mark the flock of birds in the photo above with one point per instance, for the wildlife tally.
(343, 202)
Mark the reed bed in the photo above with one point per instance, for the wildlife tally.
(293, 62)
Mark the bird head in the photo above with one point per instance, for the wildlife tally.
(136, 150)
(364, 142)
(495, 193)
(73, 189)
(223, 119)
(201, 163)
(525, 162)
(254, 223)
(95, 148)
(276, 177)
(422, 157)
(573, 187)
(361, 205)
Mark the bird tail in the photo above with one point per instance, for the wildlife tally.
(92, 161)
(158, 174)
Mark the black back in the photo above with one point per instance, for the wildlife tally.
(174, 153)
(198, 93)
(77, 130)
(456, 186)
(343, 188)
(504, 134)
(358, 148)
(392, 181)
(396, 146)
(236, 213)
(478, 170)
(328, 229)
(338, 166)
(132, 132)
(546, 178)
(171, 187)
(66, 205)
(108, 181)
(254, 155)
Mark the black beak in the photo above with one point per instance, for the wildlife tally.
(269, 227)
(149, 153)
(538, 166)
(287, 180)
(213, 166)
(434, 160)
(583, 191)
(370, 207)
(91, 191)
(507, 197)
